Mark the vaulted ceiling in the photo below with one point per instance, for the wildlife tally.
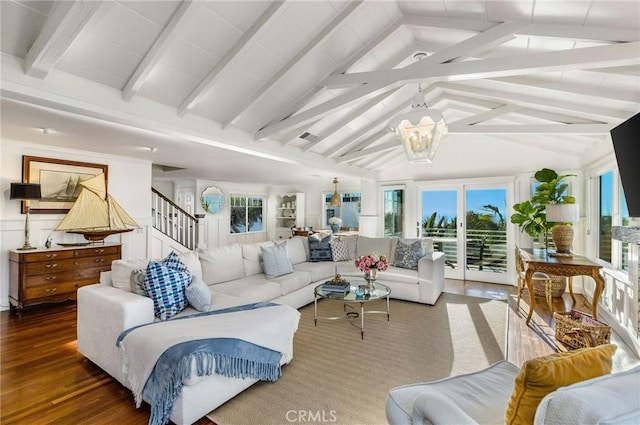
(229, 90)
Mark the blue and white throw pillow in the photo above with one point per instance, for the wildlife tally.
(320, 249)
(407, 255)
(275, 260)
(340, 250)
(166, 283)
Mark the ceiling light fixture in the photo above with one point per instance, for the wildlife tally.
(336, 199)
(421, 129)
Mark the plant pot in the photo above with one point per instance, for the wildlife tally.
(335, 228)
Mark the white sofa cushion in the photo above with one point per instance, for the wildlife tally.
(121, 272)
(610, 398)
(292, 281)
(221, 264)
(366, 246)
(298, 247)
(252, 289)
(191, 260)
(319, 271)
(252, 257)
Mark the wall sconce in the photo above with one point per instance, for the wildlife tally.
(25, 192)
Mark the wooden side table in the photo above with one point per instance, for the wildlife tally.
(568, 266)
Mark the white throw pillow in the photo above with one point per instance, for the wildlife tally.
(191, 260)
(275, 260)
(121, 272)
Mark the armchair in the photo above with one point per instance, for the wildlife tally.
(572, 387)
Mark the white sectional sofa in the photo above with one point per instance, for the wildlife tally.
(234, 275)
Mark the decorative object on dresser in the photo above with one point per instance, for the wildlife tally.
(96, 214)
(53, 275)
(25, 192)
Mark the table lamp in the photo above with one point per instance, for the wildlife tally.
(25, 192)
(562, 233)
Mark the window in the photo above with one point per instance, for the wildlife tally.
(349, 212)
(605, 212)
(246, 213)
(393, 212)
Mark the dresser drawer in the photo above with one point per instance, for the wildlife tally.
(70, 264)
(50, 290)
(97, 251)
(66, 276)
(48, 256)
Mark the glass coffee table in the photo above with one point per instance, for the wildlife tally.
(349, 299)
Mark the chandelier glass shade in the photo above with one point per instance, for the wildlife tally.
(420, 130)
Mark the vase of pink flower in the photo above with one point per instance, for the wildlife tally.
(370, 264)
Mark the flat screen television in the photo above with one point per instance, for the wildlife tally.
(626, 144)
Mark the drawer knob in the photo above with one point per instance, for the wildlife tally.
(50, 278)
(99, 260)
(50, 290)
(51, 255)
(51, 266)
(99, 251)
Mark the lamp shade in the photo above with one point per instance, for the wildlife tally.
(563, 213)
(25, 191)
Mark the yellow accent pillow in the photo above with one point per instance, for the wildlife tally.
(538, 377)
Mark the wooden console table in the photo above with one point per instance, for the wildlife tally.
(576, 265)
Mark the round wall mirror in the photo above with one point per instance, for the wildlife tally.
(212, 200)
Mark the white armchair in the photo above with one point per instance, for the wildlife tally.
(564, 388)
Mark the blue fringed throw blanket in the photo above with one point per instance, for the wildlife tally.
(249, 341)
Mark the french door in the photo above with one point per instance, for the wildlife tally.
(469, 223)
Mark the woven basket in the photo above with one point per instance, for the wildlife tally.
(597, 333)
(558, 287)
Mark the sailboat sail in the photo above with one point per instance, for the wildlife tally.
(96, 212)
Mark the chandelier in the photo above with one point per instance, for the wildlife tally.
(421, 129)
(336, 199)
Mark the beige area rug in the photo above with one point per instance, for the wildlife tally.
(335, 377)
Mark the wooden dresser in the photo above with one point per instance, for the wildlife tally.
(52, 275)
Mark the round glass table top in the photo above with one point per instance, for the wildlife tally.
(381, 291)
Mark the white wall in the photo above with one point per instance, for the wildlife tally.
(129, 182)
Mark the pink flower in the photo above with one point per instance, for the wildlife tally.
(371, 261)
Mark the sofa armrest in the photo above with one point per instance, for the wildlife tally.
(103, 313)
(431, 276)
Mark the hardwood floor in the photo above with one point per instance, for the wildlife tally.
(44, 380)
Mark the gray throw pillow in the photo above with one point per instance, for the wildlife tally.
(407, 255)
(276, 261)
(198, 294)
(137, 281)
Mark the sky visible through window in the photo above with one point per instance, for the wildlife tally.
(444, 201)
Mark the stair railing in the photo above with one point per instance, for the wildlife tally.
(173, 221)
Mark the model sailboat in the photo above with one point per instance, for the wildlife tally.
(96, 214)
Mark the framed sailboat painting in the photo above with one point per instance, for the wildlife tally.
(59, 181)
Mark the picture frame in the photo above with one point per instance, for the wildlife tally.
(59, 182)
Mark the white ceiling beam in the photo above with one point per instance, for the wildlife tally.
(371, 141)
(350, 116)
(557, 117)
(278, 75)
(387, 160)
(531, 63)
(498, 34)
(272, 12)
(462, 48)
(486, 116)
(541, 30)
(64, 23)
(593, 112)
(574, 88)
(168, 35)
(369, 151)
(531, 129)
